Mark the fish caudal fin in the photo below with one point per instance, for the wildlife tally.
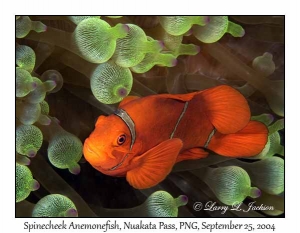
(154, 165)
(226, 108)
(247, 142)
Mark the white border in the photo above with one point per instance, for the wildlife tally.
(109, 7)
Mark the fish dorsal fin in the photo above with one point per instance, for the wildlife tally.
(180, 97)
(127, 99)
(154, 165)
(226, 108)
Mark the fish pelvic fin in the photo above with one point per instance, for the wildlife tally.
(193, 153)
(154, 165)
(247, 142)
(226, 108)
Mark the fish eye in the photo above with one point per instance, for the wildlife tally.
(121, 139)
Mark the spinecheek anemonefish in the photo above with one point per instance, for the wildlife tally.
(146, 136)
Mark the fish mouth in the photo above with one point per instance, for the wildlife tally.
(90, 151)
(88, 148)
(119, 164)
(91, 156)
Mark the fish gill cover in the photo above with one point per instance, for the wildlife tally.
(168, 111)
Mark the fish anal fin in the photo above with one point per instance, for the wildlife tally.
(247, 142)
(191, 154)
(154, 165)
(226, 108)
(128, 99)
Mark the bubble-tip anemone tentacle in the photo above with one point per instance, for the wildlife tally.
(265, 118)
(178, 25)
(23, 160)
(39, 93)
(24, 25)
(25, 57)
(152, 59)
(131, 49)
(24, 182)
(267, 174)
(110, 83)
(44, 107)
(95, 40)
(216, 28)
(24, 82)
(162, 204)
(55, 205)
(64, 151)
(78, 19)
(264, 64)
(273, 145)
(28, 113)
(53, 75)
(29, 139)
(230, 184)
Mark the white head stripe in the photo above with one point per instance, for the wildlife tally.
(129, 122)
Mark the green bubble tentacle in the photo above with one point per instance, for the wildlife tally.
(29, 139)
(44, 107)
(25, 57)
(162, 204)
(95, 40)
(152, 59)
(264, 64)
(216, 28)
(266, 174)
(24, 82)
(55, 76)
(230, 184)
(24, 182)
(110, 83)
(39, 93)
(131, 49)
(179, 25)
(78, 19)
(24, 25)
(54, 205)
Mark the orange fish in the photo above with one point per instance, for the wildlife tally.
(146, 136)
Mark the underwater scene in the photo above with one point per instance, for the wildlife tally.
(150, 116)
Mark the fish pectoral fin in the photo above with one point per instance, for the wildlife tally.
(226, 108)
(128, 99)
(154, 165)
(193, 153)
